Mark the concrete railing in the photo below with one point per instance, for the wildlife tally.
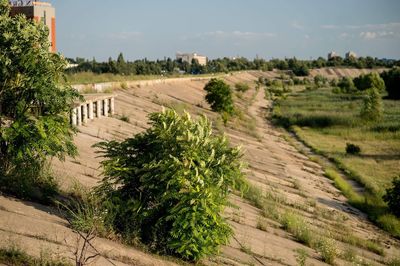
(94, 106)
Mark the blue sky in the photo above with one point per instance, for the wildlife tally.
(217, 28)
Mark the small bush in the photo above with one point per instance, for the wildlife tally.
(219, 96)
(372, 109)
(328, 249)
(352, 149)
(124, 85)
(392, 197)
(346, 85)
(243, 87)
(124, 118)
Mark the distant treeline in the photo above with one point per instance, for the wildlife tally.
(170, 66)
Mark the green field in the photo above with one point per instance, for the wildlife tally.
(326, 122)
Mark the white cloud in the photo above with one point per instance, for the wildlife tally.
(297, 25)
(239, 34)
(367, 31)
(330, 27)
(370, 35)
(231, 35)
(125, 35)
(382, 26)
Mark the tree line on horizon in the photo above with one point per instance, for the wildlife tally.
(170, 66)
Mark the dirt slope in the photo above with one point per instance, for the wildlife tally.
(274, 165)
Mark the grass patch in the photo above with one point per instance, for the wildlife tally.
(262, 224)
(13, 255)
(328, 250)
(327, 122)
(297, 226)
(343, 186)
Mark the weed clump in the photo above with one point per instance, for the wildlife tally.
(352, 149)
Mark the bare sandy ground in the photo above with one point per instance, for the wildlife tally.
(274, 165)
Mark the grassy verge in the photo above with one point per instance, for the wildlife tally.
(326, 122)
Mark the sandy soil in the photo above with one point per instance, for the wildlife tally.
(274, 165)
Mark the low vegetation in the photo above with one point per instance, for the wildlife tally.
(358, 131)
(392, 197)
(219, 96)
(13, 255)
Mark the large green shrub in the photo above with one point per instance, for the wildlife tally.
(368, 81)
(392, 82)
(34, 106)
(372, 109)
(219, 96)
(168, 186)
(392, 197)
(346, 85)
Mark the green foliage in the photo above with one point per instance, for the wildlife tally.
(301, 70)
(368, 81)
(320, 81)
(243, 87)
(372, 109)
(392, 82)
(352, 148)
(392, 197)
(346, 85)
(34, 108)
(168, 186)
(219, 96)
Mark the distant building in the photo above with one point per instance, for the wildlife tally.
(350, 55)
(40, 12)
(188, 57)
(332, 55)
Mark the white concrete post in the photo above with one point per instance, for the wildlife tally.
(79, 115)
(91, 110)
(112, 106)
(73, 117)
(84, 113)
(105, 102)
(98, 111)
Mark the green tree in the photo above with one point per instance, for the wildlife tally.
(392, 197)
(169, 185)
(34, 107)
(372, 109)
(346, 85)
(371, 80)
(219, 96)
(392, 82)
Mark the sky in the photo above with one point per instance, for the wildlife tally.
(155, 29)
